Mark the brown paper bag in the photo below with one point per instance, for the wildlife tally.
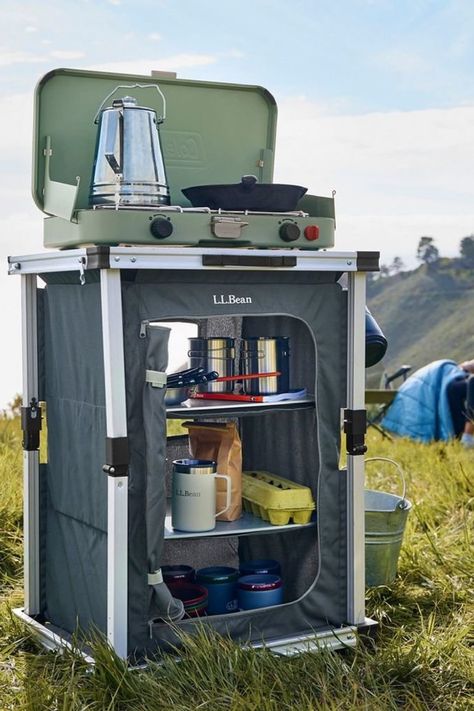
(221, 443)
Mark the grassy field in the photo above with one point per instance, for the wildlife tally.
(422, 657)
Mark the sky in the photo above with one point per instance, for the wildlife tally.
(375, 101)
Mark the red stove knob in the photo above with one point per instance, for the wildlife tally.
(311, 232)
(161, 228)
(289, 231)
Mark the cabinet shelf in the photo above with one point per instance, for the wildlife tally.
(247, 524)
(236, 409)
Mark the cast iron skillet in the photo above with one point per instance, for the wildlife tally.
(246, 195)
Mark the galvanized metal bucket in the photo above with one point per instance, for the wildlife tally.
(385, 520)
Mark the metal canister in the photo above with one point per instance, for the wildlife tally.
(262, 354)
(213, 354)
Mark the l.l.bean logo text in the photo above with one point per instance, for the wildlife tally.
(231, 299)
(183, 147)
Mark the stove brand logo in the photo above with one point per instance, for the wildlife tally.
(231, 299)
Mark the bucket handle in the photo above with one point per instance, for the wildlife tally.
(403, 503)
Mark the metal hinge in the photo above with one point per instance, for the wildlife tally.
(31, 425)
(117, 456)
(355, 427)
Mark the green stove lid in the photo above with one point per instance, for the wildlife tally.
(213, 133)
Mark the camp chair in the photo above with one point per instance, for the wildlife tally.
(386, 394)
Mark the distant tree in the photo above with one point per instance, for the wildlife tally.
(384, 271)
(426, 251)
(466, 249)
(397, 265)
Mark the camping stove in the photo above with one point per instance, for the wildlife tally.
(190, 226)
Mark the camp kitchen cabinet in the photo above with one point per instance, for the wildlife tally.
(95, 511)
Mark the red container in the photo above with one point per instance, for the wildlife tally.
(193, 597)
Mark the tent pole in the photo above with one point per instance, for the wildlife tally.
(355, 458)
(117, 479)
(29, 325)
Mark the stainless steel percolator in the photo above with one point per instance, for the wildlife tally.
(129, 170)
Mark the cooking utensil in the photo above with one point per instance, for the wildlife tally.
(128, 164)
(246, 195)
(213, 354)
(250, 376)
(261, 354)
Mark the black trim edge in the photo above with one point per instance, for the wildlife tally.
(234, 260)
(116, 456)
(368, 261)
(98, 257)
(355, 427)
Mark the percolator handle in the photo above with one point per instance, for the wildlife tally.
(134, 86)
(400, 473)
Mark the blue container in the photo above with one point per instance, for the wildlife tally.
(261, 566)
(256, 591)
(221, 585)
(375, 341)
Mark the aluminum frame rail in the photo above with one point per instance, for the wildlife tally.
(83, 259)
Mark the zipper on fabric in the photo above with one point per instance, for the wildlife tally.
(143, 327)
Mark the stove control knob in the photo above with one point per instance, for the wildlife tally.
(161, 227)
(289, 231)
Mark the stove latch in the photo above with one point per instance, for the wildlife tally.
(227, 227)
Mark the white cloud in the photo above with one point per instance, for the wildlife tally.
(404, 62)
(66, 54)
(155, 36)
(31, 29)
(10, 58)
(398, 175)
(166, 64)
(397, 161)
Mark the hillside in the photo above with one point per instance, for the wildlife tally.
(426, 314)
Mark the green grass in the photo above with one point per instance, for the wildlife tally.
(421, 657)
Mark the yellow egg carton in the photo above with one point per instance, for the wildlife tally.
(276, 499)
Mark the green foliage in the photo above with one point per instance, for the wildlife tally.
(466, 249)
(426, 251)
(420, 659)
